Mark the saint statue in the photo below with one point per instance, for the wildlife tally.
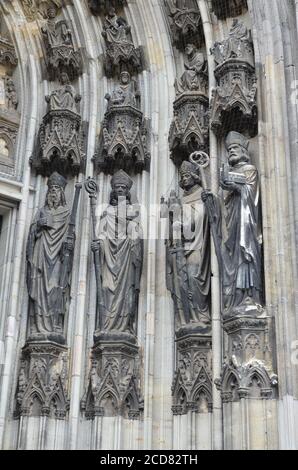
(188, 253)
(237, 228)
(126, 94)
(49, 263)
(56, 33)
(237, 45)
(194, 77)
(116, 29)
(65, 97)
(120, 248)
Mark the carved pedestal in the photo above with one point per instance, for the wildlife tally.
(124, 141)
(100, 7)
(42, 385)
(192, 384)
(60, 144)
(123, 56)
(248, 369)
(228, 8)
(186, 24)
(114, 383)
(190, 127)
(234, 102)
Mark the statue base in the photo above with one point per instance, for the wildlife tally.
(114, 380)
(49, 337)
(42, 385)
(248, 368)
(192, 384)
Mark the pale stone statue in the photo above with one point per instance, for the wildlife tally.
(65, 97)
(193, 79)
(49, 263)
(56, 33)
(237, 228)
(120, 247)
(126, 94)
(237, 45)
(188, 253)
(116, 29)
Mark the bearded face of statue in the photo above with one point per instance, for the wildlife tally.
(189, 50)
(55, 197)
(125, 78)
(237, 154)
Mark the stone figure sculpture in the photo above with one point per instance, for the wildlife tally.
(126, 94)
(65, 97)
(195, 76)
(56, 33)
(188, 253)
(237, 45)
(50, 249)
(120, 259)
(116, 29)
(237, 229)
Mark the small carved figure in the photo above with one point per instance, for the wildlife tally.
(56, 33)
(194, 77)
(64, 97)
(116, 29)
(126, 94)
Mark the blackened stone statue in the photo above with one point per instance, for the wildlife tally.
(116, 29)
(126, 94)
(49, 263)
(237, 229)
(120, 248)
(188, 254)
(65, 97)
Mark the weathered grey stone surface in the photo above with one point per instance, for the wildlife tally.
(262, 414)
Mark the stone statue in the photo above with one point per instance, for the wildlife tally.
(116, 29)
(65, 97)
(126, 94)
(237, 228)
(237, 45)
(194, 77)
(11, 94)
(120, 249)
(49, 263)
(188, 253)
(56, 33)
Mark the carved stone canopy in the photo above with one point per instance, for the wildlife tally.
(37, 9)
(61, 55)
(125, 138)
(192, 384)
(185, 22)
(7, 53)
(189, 130)
(121, 54)
(234, 101)
(228, 8)
(61, 138)
(42, 384)
(113, 384)
(100, 7)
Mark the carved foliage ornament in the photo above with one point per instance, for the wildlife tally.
(186, 22)
(7, 53)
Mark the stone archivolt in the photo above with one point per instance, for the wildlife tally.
(61, 137)
(124, 139)
(185, 22)
(228, 8)
(234, 101)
